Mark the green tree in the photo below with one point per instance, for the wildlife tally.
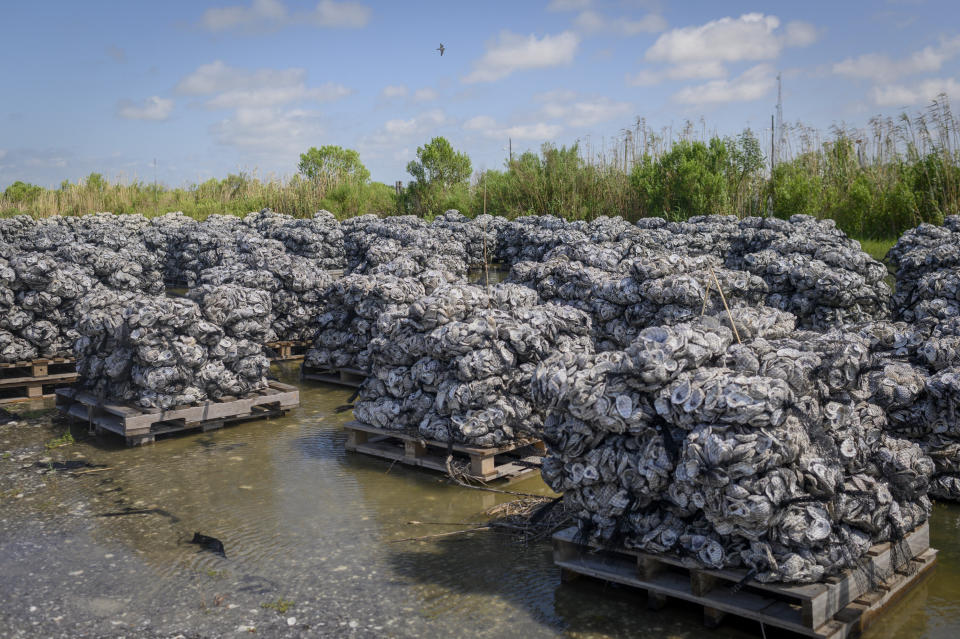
(21, 192)
(744, 164)
(96, 182)
(330, 165)
(440, 178)
(689, 179)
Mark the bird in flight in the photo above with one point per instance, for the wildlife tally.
(441, 49)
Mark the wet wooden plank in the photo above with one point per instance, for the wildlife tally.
(416, 451)
(131, 420)
(802, 609)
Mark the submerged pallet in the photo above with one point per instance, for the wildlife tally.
(840, 607)
(514, 461)
(35, 379)
(141, 425)
(351, 377)
(288, 350)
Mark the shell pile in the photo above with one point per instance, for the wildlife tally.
(161, 352)
(625, 296)
(763, 455)
(47, 265)
(294, 286)
(319, 238)
(807, 267)
(402, 245)
(354, 303)
(927, 263)
(456, 365)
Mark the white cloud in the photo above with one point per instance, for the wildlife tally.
(269, 130)
(898, 95)
(340, 15)
(705, 70)
(423, 123)
(568, 5)
(557, 95)
(274, 13)
(752, 84)
(394, 91)
(217, 77)
(583, 113)
(881, 68)
(539, 131)
(799, 34)
(153, 108)
(516, 52)
(489, 128)
(276, 96)
(480, 123)
(232, 87)
(593, 22)
(260, 11)
(752, 36)
(425, 95)
(701, 52)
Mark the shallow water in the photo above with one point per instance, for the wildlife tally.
(302, 520)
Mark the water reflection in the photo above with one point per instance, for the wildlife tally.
(302, 519)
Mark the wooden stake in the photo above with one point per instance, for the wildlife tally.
(455, 532)
(724, 300)
(706, 296)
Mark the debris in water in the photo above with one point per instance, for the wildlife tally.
(212, 544)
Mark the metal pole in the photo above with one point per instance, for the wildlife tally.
(770, 195)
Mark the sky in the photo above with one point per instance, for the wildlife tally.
(184, 90)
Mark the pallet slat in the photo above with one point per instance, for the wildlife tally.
(288, 351)
(142, 425)
(834, 610)
(512, 462)
(36, 379)
(350, 377)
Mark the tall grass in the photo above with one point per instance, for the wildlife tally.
(875, 181)
(233, 195)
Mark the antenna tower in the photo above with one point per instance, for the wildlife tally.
(780, 132)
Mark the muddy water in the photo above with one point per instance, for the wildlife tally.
(306, 523)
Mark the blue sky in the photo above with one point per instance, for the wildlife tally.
(213, 88)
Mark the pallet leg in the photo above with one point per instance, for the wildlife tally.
(712, 617)
(413, 450)
(656, 600)
(35, 391)
(356, 438)
(482, 465)
(566, 576)
(216, 424)
(648, 567)
(40, 369)
(700, 583)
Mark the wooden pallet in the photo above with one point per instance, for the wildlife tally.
(352, 377)
(287, 351)
(141, 426)
(841, 607)
(513, 462)
(35, 379)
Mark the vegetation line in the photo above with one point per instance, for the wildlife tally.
(875, 182)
